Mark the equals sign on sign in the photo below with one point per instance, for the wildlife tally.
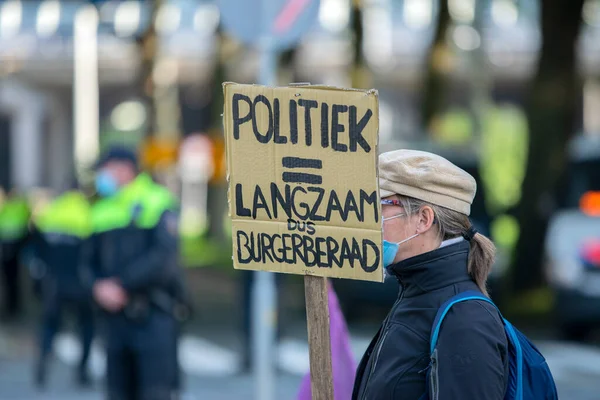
(302, 177)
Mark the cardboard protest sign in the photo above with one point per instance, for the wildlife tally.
(303, 189)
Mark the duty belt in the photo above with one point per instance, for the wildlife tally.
(139, 307)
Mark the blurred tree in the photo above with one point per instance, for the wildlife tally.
(287, 61)
(480, 85)
(551, 113)
(435, 81)
(148, 48)
(217, 189)
(359, 69)
(218, 77)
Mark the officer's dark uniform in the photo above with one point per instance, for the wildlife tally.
(134, 240)
(14, 220)
(58, 234)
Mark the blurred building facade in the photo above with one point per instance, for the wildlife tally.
(38, 135)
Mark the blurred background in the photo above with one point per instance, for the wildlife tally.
(509, 90)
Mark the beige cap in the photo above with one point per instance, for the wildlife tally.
(428, 177)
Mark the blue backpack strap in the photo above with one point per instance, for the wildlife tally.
(508, 328)
(514, 341)
(443, 310)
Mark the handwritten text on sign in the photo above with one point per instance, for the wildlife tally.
(303, 190)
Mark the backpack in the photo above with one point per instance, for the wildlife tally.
(529, 375)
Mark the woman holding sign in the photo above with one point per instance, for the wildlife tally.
(435, 253)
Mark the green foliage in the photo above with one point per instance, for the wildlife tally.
(193, 223)
(503, 160)
(505, 231)
(503, 156)
(454, 127)
(535, 302)
(202, 252)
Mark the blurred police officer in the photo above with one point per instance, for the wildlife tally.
(133, 273)
(14, 221)
(58, 233)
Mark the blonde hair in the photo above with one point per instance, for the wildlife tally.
(451, 224)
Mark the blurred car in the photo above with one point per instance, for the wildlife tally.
(572, 270)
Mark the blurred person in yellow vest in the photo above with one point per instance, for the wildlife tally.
(14, 220)
(59, 231)
(131, 264)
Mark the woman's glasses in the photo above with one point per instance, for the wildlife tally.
(391, 203)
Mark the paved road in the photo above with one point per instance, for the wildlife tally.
(212, 369)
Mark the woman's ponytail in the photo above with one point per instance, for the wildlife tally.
(481, 260)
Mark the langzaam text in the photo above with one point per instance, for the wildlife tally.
(306, 203)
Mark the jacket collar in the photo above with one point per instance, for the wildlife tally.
(442, 267)
(135, 189)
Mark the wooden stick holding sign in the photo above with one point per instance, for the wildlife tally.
(319, 337)
(304, 195)
(319, 331)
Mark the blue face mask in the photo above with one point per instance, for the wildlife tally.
(390, 249)
(106, 184)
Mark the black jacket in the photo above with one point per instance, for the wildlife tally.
(145, 261)
(471, 362)
(58, 255)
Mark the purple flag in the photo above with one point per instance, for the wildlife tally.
(344, 366)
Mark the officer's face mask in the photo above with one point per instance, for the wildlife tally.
(106, 184)
(390, 249)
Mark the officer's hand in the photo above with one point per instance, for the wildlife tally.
(110, 295)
